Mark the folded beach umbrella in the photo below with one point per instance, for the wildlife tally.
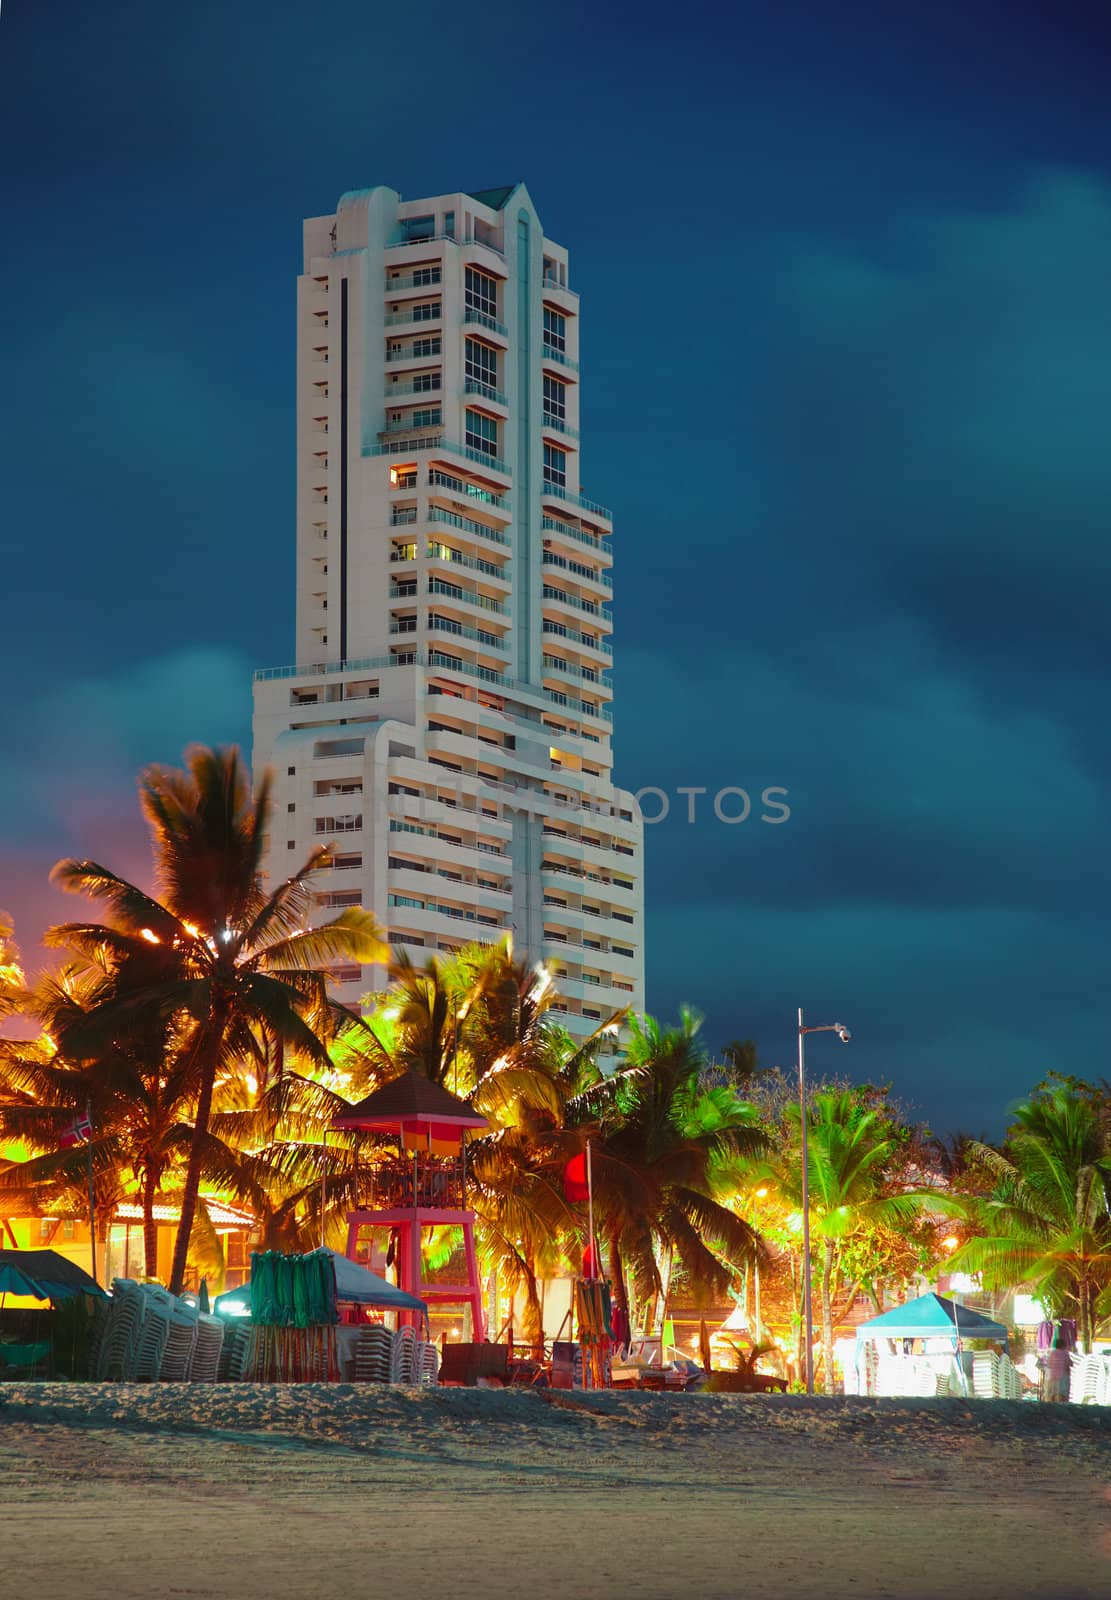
(13, 1280)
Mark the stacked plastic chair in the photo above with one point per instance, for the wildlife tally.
(402, 1351)
(151, 1350)
(428, 1373)
(372, 1355)
(177, 1360)
(1085, 1380)
(235, 1356)
(207, 1349)
(120, 1340)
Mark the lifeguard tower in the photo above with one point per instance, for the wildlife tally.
(424, 1186)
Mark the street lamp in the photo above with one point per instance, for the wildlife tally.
(844, 1035)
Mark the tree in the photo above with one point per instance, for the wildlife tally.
(1047, 1219)
(854, 1147)
(243, 969)
(662, 1140)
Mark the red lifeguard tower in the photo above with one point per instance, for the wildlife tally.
(425, 1186)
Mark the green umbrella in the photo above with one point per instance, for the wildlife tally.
(13, 1280)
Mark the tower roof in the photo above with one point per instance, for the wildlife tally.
(412, 1104)
(494, 198)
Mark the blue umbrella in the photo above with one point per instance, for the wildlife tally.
(13, 1280)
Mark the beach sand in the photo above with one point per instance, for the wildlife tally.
(266, 1492)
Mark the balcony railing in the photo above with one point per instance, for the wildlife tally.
(467, 524)
(474, 386)
(490, 641)
(455, 592)
(593, 573)
(407, 425)
(392, 389)
(568, 669)
(550, 353)
(397, 319)
(573, 499)
(591, 607)
(444, 480)
(407, 353)
(420, 1179)
(415, 280)
(599, 643)
(596, 541)
(472, 314)
(397, 447)
(401, 516)
(447, 552)
(560, 425)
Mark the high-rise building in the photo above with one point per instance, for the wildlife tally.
(446, 729)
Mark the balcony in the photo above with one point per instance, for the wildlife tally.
(480, 319)
(407, 425)
(418, 1179)
(432, 387)
(570, 498)
(550, 353)
(559, 425)
(456, 558)
(434, 441)
(591, 607)
(568, 669)
(596, 541)
(474, 386)
(444, 480)
(591, 643)
(490, 641)
(401, 516)
(467, 524)
(426, 279)
(592, 574)
(470, 596)
(398, 319)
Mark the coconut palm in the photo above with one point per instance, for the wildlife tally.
(853, 1151)
(1047, 1221)
(243, 967)
(659, 1139)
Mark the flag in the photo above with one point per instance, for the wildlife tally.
(80, 1131)
(590, 1262)
(575, 1186)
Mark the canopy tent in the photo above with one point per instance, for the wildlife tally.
(354, 1285)
(931, 1317)
(415, 1106)
(44, 1275)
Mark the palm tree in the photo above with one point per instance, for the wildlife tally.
(852, 1150)
(1047, 1220)
(661, 1138)
(243, 969)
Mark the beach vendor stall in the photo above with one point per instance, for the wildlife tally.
(926, 1354)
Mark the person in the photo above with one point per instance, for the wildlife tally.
(1057, 1363)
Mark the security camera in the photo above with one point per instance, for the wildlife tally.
(842, 1032)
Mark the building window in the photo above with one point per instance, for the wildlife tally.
(403, 478)
(449, 224)
(291, 772)
(430, 417)
(481, 292)
(427, 311)
(425, 347)
(555, 398)
(418, 228)
(424, 381)
(482, 433)
(291, 844)
(555, 329)
(482, 363)
(292, 806)
(425, 275)
(555, 466)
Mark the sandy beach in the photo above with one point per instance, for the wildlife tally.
(266, 1491)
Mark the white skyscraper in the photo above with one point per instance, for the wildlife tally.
(446, 730)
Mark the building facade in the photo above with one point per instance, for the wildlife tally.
(446, 730)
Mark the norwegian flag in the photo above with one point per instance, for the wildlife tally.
(80, 1131)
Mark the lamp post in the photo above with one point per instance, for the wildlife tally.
(844, 1035)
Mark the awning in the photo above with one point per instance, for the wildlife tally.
(44, 1275)
(931, 1317)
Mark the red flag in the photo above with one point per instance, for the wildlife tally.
(79, 1131)
(575, 1186)
(590, 1262)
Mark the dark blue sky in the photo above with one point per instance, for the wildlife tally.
(847, 350)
